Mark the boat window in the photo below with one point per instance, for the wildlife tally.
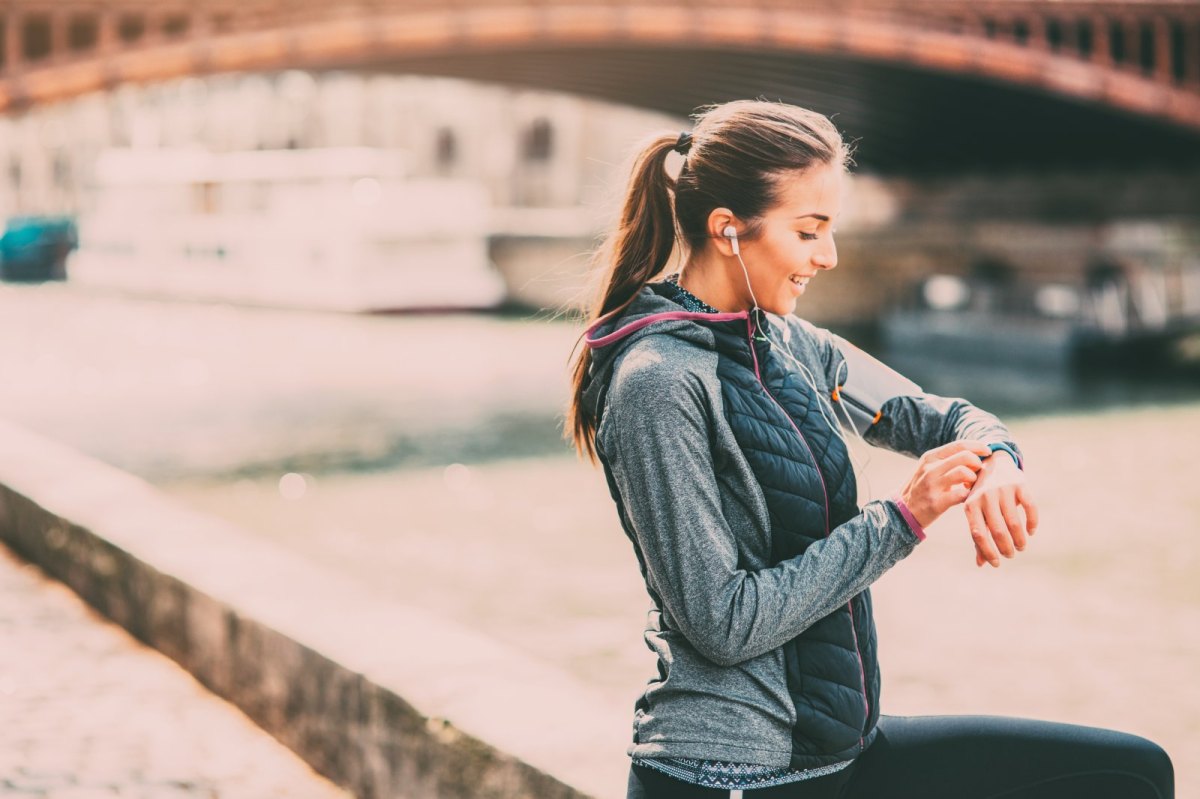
(539, 141)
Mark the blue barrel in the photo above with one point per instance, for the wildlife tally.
(35, 248)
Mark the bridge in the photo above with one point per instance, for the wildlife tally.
(929, 84)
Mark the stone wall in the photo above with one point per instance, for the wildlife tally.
(384, 699)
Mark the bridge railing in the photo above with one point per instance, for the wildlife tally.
(1158, 41)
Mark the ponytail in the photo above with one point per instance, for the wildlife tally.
(737, 155)
(636, 251)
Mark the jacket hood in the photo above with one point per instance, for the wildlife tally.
(649, 314)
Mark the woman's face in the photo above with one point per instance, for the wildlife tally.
(795, 239)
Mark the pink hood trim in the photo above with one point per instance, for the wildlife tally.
(666, 316)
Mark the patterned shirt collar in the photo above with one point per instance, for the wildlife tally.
(686, 298)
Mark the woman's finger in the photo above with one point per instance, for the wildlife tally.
(960, 474)
(996, 524)
(1013, 518)
(979, 533)
(966, 444)
(965, 459)
(1025, 497)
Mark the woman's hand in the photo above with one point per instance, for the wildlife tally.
(944, 477)
(1001, 511)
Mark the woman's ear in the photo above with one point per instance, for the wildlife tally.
(718, 220)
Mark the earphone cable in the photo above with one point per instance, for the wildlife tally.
(807, 376)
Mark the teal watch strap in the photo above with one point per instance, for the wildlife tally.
(1001, 446)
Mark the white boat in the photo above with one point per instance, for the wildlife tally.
(338, 229)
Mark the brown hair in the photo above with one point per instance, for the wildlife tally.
(738, 154)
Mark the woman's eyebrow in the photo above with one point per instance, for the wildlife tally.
(822, 217)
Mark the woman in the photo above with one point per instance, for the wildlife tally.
(718, 417)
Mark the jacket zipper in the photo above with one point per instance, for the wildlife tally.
(825, 492)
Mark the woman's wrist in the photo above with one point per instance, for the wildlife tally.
(1000, 446)
(917, 528)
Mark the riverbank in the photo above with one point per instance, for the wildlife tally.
(1092, 624)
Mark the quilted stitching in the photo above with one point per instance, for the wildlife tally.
(823, 662)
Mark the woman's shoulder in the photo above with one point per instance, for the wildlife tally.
(813, 346)
(662, 366)
(660, 385)
(802, 330)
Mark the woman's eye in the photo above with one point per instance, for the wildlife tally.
(808, 236)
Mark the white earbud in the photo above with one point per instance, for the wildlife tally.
(730, 232)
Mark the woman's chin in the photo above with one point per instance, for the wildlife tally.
(784, 306)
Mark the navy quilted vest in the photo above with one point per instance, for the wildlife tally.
(809, 486)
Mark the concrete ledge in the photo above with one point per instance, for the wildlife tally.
(382, 698)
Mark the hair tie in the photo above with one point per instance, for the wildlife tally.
(684, 144)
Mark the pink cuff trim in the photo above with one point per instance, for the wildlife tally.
(913, 524)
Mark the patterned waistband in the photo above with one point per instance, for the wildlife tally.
(733, 776)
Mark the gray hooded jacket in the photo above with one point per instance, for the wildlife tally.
(761, 615)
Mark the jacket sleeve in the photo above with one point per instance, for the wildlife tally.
(915, 423)
(655, 444)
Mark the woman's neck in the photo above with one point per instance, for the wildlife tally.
(710, 283)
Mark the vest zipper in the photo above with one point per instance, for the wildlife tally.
(862, 674)
(825, 492)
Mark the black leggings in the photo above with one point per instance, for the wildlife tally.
(968, 757)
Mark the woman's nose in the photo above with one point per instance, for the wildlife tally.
(826, 257)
